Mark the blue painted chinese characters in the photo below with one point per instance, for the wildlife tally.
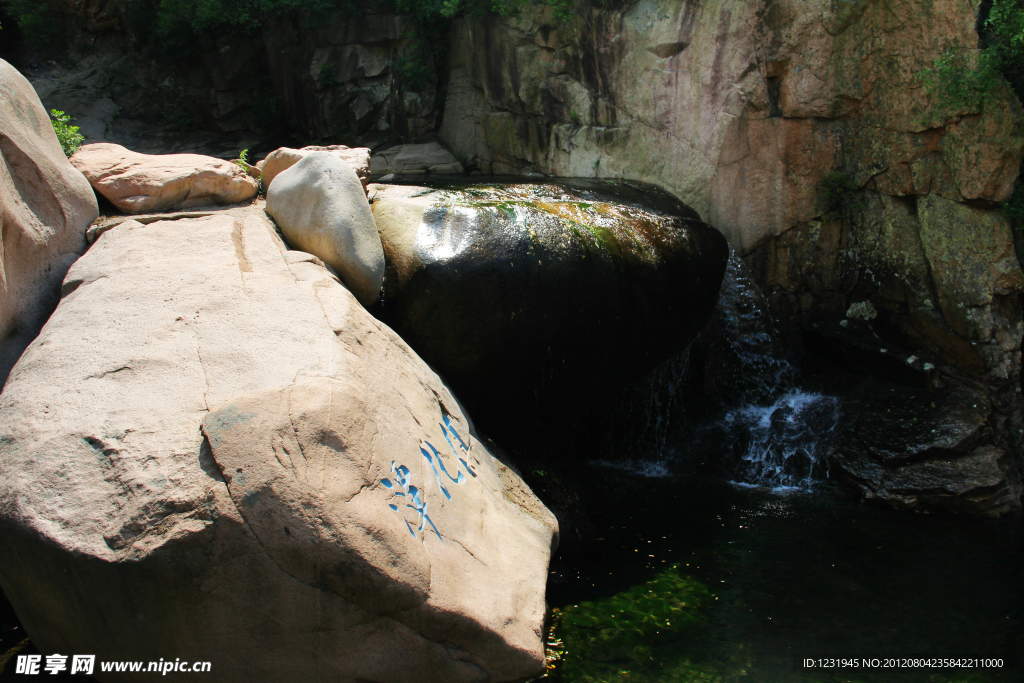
(413, 500)
(413, 496)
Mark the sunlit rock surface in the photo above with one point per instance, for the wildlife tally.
(45, 207)
(283, 158)
(320, 205)
(213, 451)
(535, 300)
(140, 183)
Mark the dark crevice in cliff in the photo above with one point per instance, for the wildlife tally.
(773, 84)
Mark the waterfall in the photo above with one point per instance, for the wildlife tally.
(732, 406)
(767, 430)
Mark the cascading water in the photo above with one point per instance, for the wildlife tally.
(781, 445)
(768, 431)
(743, 417)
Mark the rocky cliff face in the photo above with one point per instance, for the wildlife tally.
(744, 111)
(328, 77)
(739, 108)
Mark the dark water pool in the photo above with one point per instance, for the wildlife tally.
(692, 580)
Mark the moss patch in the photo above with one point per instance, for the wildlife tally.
(647, 633)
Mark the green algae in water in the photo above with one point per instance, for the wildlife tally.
(789, 575)
(656, 632)
(651, 632)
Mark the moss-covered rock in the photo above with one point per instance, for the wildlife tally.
(538, 300)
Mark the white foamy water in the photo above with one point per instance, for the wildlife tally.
(782, 444)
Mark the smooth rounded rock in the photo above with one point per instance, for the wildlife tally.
(538, 301)
(283, 158)
(321, 208)
(45, 207)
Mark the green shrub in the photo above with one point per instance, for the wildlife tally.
(176, 118)
(963, 79)
(171, 25)
(44, 23)
(967, 78)
(1003, 39)
(68, 135)
(326, 75)
(178, 18)
(413, 69)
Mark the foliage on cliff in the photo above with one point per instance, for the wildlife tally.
(838, 193)
(246, 15)
(965, 78)
(46, 23)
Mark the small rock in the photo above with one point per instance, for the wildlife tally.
(320, 206)
(94, 231)
(284, 158)
(429, 157)
(862, 310)
(140, 183)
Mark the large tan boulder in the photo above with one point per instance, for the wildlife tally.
(321, 208)
(285, 157)
(45, 207)
(213, 449)
(140, 183)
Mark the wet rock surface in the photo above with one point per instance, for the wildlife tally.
(924, 450)
(921, 292)
(534, 301)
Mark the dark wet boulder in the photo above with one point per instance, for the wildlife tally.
(921, 449)
(538, 301)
